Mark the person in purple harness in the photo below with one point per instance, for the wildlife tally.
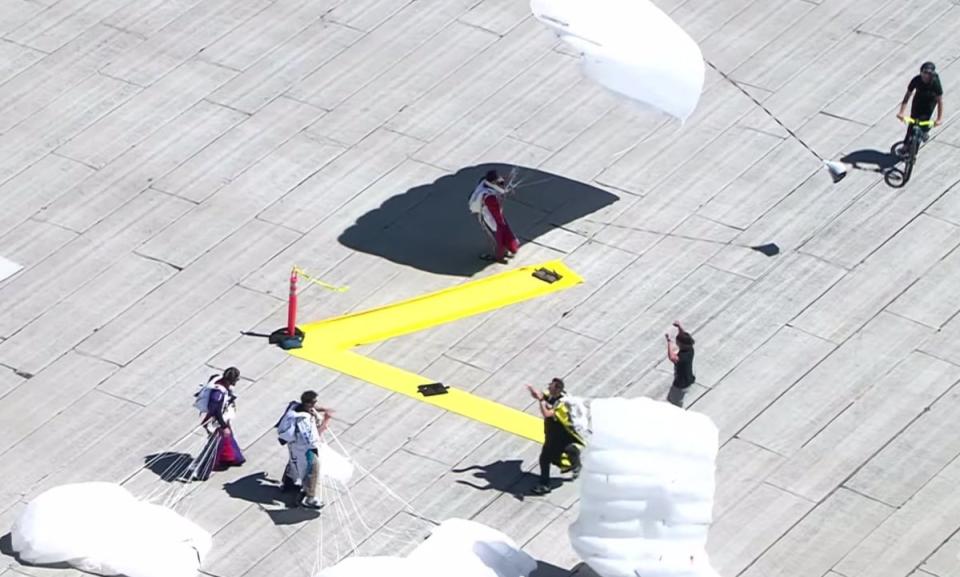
(222, 450)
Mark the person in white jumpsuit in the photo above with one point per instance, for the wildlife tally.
(301, 432)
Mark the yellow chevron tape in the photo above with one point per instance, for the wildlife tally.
(328, 342)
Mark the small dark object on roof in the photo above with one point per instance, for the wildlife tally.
(432, 389)
(547, 276)
(767, 249)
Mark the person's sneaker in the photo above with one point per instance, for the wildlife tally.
(541, 490)
(576, 472)
(311, 503)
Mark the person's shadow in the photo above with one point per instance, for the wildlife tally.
(506, 477)
(257, 488)
(169, 466)
(431, 228)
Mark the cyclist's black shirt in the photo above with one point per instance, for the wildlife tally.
(925, 97)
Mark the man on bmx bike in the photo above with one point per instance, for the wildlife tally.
(927, 93)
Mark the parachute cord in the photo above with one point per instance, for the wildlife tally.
(318, 560)
(344, 518)
(159, 456)
(205, 460)
(388, 490)
(763, 108)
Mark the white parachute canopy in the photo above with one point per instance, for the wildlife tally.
(631, 47)
(101, 528)
(335, 466)
(456, 547)
(646, 489)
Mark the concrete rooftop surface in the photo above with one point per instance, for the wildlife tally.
(164, 163)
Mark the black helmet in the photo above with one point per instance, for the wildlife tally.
(928, 67)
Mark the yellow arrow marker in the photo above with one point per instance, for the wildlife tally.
(328, 343)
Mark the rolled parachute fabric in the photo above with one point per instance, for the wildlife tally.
(632, 48)
(101, 528)
(646, 490)
(455, 547)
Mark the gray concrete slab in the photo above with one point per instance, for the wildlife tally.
(838, 313)
(62, 22)
(257, 37)
(946, 560)
(374, 54)
(825, 392)
(406, 81)
(88, 310)
(85, 204)
(35, 188)
(913, 458)
(910, 534)
(35, 290)
(759, 380)
(41, 84)
(286, 66)
(180, 38)
(165, 165)
(759, 519)
(866, 426)
(822, 537)
(233, 153)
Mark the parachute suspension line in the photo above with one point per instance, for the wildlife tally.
(344, 517)
(383, 486)
(207, 460)
(204, 458)
(159, 456)
(340, 497)
(318, 561)
(764, 108)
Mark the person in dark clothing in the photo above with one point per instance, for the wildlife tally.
(927, 93)
(559, 439)
(682, 359)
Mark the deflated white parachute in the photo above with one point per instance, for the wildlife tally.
(646, 489)
(101, 528)
(456, 547)
(631, 47)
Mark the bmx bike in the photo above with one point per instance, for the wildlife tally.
(907, 150)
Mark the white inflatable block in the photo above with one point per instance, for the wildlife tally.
(646, 490)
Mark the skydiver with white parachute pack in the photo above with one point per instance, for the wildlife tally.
(300, 432)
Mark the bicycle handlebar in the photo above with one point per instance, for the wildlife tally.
(908, 121)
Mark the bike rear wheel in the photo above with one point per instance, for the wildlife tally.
(895, 178)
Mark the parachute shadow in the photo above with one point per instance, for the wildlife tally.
(168, 465)
(430, 228)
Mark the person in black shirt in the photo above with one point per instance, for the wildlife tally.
(559, 438)
(927, 95)
(682, 359)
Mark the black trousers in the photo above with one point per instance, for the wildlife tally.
(557, 441)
